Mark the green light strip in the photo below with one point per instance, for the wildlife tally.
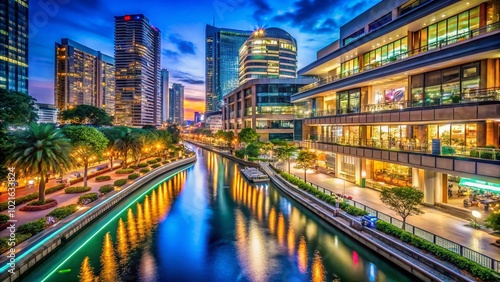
(32, 249)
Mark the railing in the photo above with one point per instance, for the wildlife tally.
(434, 46)
(259, 111)
(466, 252)
(472, 96)
(412, 146)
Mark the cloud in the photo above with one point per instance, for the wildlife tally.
(187, 78)
(184, 46)
(263, 9)
(314, 16)
(171, 55)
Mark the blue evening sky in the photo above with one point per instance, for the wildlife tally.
(314, 23)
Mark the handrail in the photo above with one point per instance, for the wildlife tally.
(430, 47)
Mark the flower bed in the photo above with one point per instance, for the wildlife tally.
(125, 171)
(102, 178)
(106, 189)
(77, 189)
(37, 206)
(63, 212)
(88, 198)
(133, 176)
(120, 182)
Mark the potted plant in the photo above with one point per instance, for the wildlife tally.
(455, 99)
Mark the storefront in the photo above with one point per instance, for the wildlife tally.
(456, 135)
(473, 194)
(387, 136)
(389, 174)
(389, 92)
(347, 166)
(326, 162)
(349, 101)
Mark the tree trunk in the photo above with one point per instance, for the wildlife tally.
(41, 189)
(404, 223)
(85, 169)
(305, 175)
(288, 166)
(124, 164)
(111, 163)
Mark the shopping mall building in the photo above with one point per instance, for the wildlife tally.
(409, 95)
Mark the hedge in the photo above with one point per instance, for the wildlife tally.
(141, 165)
(32, 227)
(4, 241)
(165, 162)
(55, 188)
(155, 165)
(63, 212)
(20, 200)
(133, 166)
(152, 161)
(37, 206)
(120, 182)
(106, 189)
(88, 198)
(125, 171)
(4, 218)
(77, 189)
(133, 176)
(461, 262)
(102, 178)
(144, 170)
(158, 159)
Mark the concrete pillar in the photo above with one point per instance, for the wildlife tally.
(481, 134)
(433, 184)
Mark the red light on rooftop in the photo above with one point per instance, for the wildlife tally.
(127, 18)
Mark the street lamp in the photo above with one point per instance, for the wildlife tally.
(363, 179)
(475, 215)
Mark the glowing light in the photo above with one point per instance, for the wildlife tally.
(127, 18)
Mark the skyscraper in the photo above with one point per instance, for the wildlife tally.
(83, 76)
(165, 95)
(177, 103)
(14, 45)
(222, 47)
(137, 61)
(268, 53)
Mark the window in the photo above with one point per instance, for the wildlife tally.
(355, 36)
(385, 54)
(380, 22)
(350, 67)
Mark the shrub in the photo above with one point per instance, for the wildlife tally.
(63, 212)
(133, 166)
(352, 210)
(32, 227)
(77, 189)
(38, 203)
(102, 178)
(4, 218)
(20, 200)
(4, 241)
(88, 198)
(125, 171)
(133, 176)
(120, 182)
(107, 188)
(155, 165)
(240, 153)
(39, 206)
(493, 221)
(142, 165)
(158, 159)
(55, 188)
(475, 269)
(165, 162)
(144, 170)
(152, 161)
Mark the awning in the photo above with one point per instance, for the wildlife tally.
(469, 182)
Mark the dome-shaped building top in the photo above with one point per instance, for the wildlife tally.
(268, 53)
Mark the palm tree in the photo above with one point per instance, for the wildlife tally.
(40, 149)
(128, 141)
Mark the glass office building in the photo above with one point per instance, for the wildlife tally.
(14, 45)
(222, 47)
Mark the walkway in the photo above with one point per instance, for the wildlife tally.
(432, 220)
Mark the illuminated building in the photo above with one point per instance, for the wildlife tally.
(177, 103)
(165, 96)
(137, 62)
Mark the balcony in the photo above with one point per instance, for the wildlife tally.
(410, 145)
(472, 97)
(432, 47)
(260, 111)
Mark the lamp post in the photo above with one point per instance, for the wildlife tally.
(475, 215)
(363, 179)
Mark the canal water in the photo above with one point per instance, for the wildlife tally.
(207, 223)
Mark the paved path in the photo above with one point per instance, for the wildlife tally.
(432, 220)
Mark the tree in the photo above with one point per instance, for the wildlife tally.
(493, 221)
(226, 136)
(127, 142)
(86, 114)
(16, 109)
(404, 201)
(175, 132)
(39, 150)
(149, 127)
(88, 143)
(285, 153)
(306, 160)
(252, 150)
(248, 135)
(113, 133)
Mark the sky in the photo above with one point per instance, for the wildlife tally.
(314, 23)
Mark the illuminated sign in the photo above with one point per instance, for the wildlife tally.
(478, 184)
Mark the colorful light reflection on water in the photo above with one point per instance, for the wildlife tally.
(208, 224)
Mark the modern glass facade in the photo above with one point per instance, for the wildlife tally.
(137, 57)
(268, 53)
(221, 63)
(165, 95)
(14, 45)
(177, 103)
(83, 76)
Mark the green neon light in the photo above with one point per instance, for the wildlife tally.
(480, 184)
(4, 268)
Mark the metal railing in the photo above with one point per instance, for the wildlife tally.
(466, 252)
(430, 47)
(471, 96)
